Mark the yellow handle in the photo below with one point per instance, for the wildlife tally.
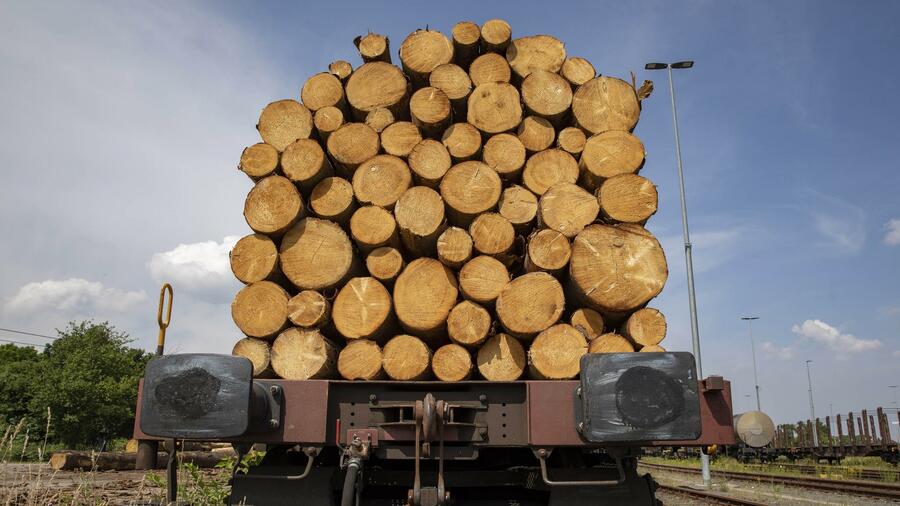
(163, 324)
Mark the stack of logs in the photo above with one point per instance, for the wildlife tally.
(476, 209)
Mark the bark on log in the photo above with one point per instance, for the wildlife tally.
(547, 95)
(469, 189)
(611, 343)
(489, 68)
(466, 41)
(495, 36)
(379, 119)
(451, 363)
(482, 279)
(341, 69)
(605, 103)
(610, 154)
(304, 163)
(468, 324)
(571, 140)
(362, 310)
(429, 160)
(260, 309)
(259, 160)
(352, 144)
(373, 227)
(430, 111)
(399, 138)
(547, 168)
(257, 352)
(454, 247)
(420, 217)
(616, 268)
(455, 83)
(627, 198)
(463, 142)
(548, 251)
(361, 360)
(373, 47)
(309, 309)
(492, 234)
(494, 108)
(501, 358)
(273, 206)
(255, 258)
(332, 199)
(322, 90)
(530, 304)
(283, 122)
(567, 208)
(653, 348)
(302, 354)
(519, 206)
(377, 84)
(556, 353)
(327, 120)
(588, 322)
(421, 52)
(424, 294)
(316, 255)
(385, 264)
(577, 71)
(505, 153)
(645, 327)
(407, 358)
(538, 52)
(381, 180)
(535, 134)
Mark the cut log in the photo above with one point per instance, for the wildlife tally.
(452, 362)
(645, 327)
(627, 198)
(653, 348)
(255, 258)
(571, 140)
(588, 322)
(567, 208)
(469, 189)
(421, 52)
(322, 90)
(361, 360)
(482, 279)
(420, 216)
(616, 268)
(530, 304)
(385, 264)
(547, 95)
(556, 353)
(548, 251)
(257, 352)
(547, 168)
(611, 343)
(332, 199)
(362, 310)
(610, 154)
(260, 309)
(454, 247)
(309, 309)
(373, 227)
(429, 160)
(519, 206)
(430, 111)
(605, 103)
(399, 138)
(489, 68)
(501, 358)
(538, 52)
(373, 47)
(466, 41)
(381, 180)
(494, 108)
(407, 358)
(377, 84)
(379, 119)
(352, 144)
(495, 36)
(492, 234)
(536, 134)
(303, 354)
(463, 142)
(273, 205)
(283, 122)
(468, 324)
(455, 83)
(316, 255)
(577, 71)
(505, 153)
(424, 294)
(259, 160)
(304, 163)
(327, 120)
(341, 69)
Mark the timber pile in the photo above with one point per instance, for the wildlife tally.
(473, 212)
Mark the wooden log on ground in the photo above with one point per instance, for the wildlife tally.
(556, 353)
(385, 264)
(627, 198)
(257, 352)
(535, 134)
(260, 309)
(421, 52)
(571, 140)
(255, 258)
(482, 279)
(304, 162)
(361, 359)
(610, 154)
(537, 52)
(429, 108)
(424, 294)
(302, 354)
(489, 68)
(605, 103)
(645, 327)
(283, 122)
(610, 343)
(567, 208)
(420, 217)
(494, 108)
(379, 119)
(327, 120)
(529, 304)
(463, 142)
(317, 255)
(322, 90)
(454, 247)
(616, 269)
(577, 71)
(548, 251)
(429, 160)
(377, 84)
(548, 95)
(547, 168)
(341, 69)
(469, 189)
(495, 36)
(373, 47)
(332, 199)
(407, 358)
(505, 153)
(492, 234)
(399, 138)
(362, 310)
(351, 145)
(588, 322)
(653, 348)
(501, 358)
(468, 324)
(273, 206)
(519, 206)
(381, 180)
(373, 227)
(466, 42)
(258, 161)
(452, 362)
(309, 309)
(455, 83)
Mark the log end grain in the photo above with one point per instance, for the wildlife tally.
(567, 208)
(588, 322)
(489, 68)
(469, 189)
(254, 350)
(611, 343)
(352, 144)
(273, 205)
(547, 168)
(260, 309)
(645, 327)
(399, 138)
(538, 52)
(362, 309)
(535, 134)
(379, 119)
(424, 294)
(429, 160)
(547, 94)
(462, 140)
(577, 71)
(302, 354)
(420, 215)
(373, 47)
(309, 309)
(360, 360)
(501, 358)
(341, 69)
(628, 198)
(322, 90)
(385, 264)
(372, 227)
(407, 358)
(548, 251)
(452, 80)
(381, 180)
(519, 206)
(283, 122)
(316, 254)
(505, 153)
(259, 160)
(556, 353)
(452, 362)
(482, 279)
(430, 110)
(571, 140)
(605, 103)
(468, 324)
(530, 304)
(377, 84)
(332, 199)
(424, 50)
(327, 120)
(495, 35)
(454, 247)
(254, 258)
(494, 107)
(653, 348)
(492, 234)
(609, 154)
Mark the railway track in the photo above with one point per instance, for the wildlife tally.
(861, 473)
(713, 497)
(856, 487)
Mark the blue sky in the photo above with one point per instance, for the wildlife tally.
(122, 127)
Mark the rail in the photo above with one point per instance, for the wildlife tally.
(714, 497)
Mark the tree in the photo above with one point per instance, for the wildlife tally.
(88, 378)
(18, 376)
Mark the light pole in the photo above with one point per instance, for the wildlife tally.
(812, 408)
(896, 410)
(688, 258)
(749, 320)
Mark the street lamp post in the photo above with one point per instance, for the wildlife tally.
(688, 258)
(896, 408)
(812, 408)
(749, 320)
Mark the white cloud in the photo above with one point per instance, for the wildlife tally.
(779, 352)
(892, 237)
(711, 247)
(198, 267)
(821, 332)
(842, 224)
(72, 296)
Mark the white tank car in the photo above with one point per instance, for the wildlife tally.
(754, 428)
